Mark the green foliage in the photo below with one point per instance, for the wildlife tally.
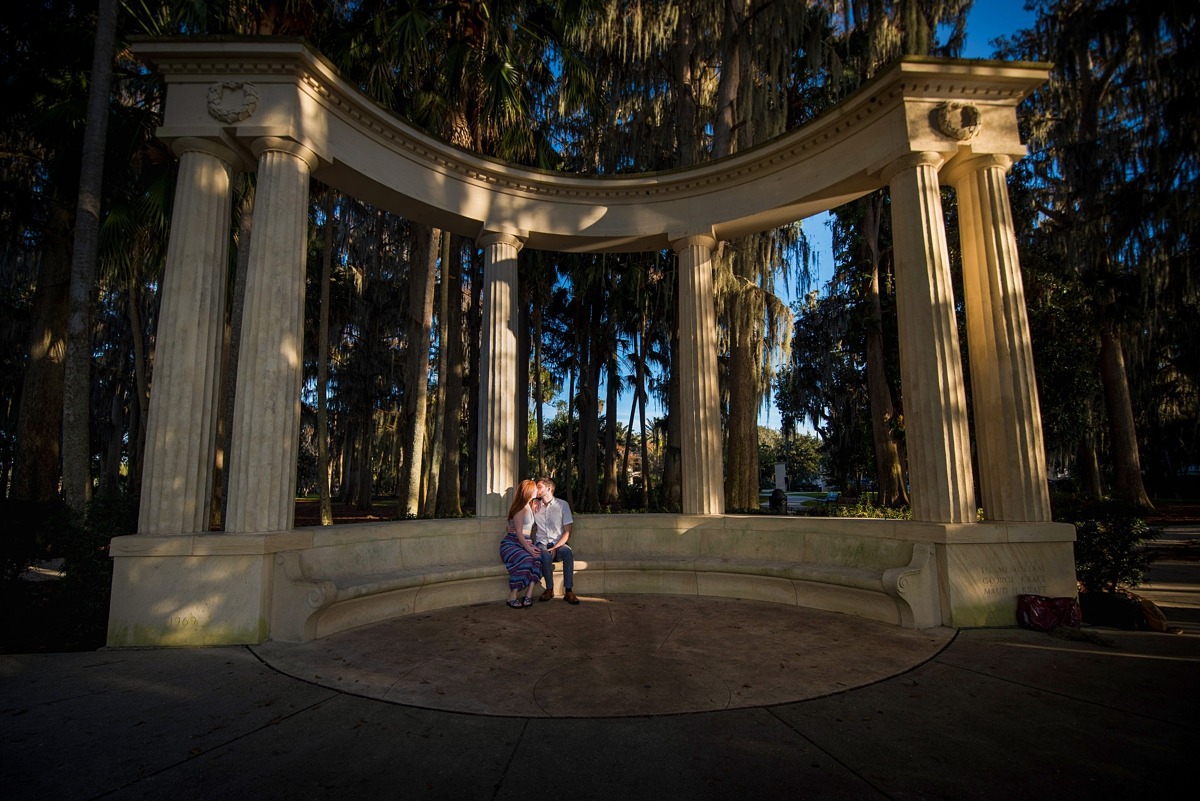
(1109, 542)
(825, 384)
(865, 506)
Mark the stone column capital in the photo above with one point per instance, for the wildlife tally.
(961, 168)
(195, 144)
(911, 161)
(486, 238)
(680, 241)
(278, 144)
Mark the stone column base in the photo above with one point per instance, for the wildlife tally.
(980, 581)
(191, 590)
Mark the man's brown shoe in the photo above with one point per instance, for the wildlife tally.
(570, 597)
(547, 595)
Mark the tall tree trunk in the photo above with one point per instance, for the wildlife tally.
(77, 367)
(393, 432)
(1087, 467)
(422, 277)
(729, 83)
(364, 462)
(889, 469)
(569, 474)
(741, 450)
(337, 449)
(110, 463)
(885, 438)
(611, 497)
(672, 486)
(139, 408)
(348, 488)
(1127, 465)
(449, 501)
(110, 468)
(589, 417)
(39, 419)
(539, 385)
(323, 489)
(437, 450)
(641, 398)
(687, 108)
(474, 322)
(633, 408)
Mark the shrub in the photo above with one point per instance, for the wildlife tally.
(864, 507)
(1110, 538)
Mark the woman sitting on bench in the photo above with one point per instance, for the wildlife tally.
(517, 549)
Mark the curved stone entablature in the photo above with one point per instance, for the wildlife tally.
(365, 151)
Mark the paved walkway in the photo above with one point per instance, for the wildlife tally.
(589, 702)
(1173, 581)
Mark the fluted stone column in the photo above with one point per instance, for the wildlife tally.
(266, 417)
(1008, 420)
(496, 457)
(703, 482)
(935, 407)
(177, 476)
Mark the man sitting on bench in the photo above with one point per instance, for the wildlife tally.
(552, 517)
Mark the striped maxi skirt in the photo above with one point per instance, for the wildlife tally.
(523, 569)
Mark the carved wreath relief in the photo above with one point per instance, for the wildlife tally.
(961, 121)
(232, 101)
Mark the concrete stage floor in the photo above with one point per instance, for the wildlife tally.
(608, 656)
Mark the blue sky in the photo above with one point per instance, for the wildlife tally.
(988, 20)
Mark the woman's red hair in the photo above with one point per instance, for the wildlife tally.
(525, 492)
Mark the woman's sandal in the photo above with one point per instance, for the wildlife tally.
(527, 601)
(515, 603)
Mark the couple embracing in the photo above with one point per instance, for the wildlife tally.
(539, 526)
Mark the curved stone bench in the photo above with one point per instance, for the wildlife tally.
(230, 588)
(352, 576)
